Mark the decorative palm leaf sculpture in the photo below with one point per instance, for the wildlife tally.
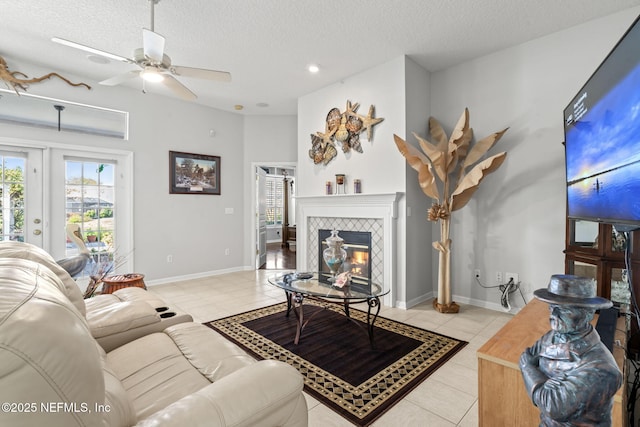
(450, 171)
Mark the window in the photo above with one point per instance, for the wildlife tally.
(12, 209)
(275, 199)
(90, 202)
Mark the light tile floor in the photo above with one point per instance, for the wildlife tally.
(447, 398)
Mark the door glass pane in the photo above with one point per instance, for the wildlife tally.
(620, 293)
(584, 233)
(90, 202)
(274, 199)
(12, 198)
(583, 269)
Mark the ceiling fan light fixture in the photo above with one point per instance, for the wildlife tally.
(152, 75)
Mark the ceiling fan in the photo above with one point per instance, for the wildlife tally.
(154, 63)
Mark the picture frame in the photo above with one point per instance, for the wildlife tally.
(194, 173)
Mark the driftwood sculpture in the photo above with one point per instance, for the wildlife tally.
(460, 170)
(9, 77)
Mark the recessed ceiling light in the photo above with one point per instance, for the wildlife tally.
(238, 107)
(313, 68)
(98, 59)
(262, 104)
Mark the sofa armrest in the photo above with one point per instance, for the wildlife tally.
(120, 317)
(267, 393)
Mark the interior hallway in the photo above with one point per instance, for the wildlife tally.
(279, 258)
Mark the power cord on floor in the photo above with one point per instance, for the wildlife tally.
(505, 290)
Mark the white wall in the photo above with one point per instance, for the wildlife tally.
(399, 90)
(268, 140)
(516, 221)
(418, 234)
(380, 167)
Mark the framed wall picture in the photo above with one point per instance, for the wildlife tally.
(193, 173)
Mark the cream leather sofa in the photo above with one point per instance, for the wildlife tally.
(114, 319)
(54, 373)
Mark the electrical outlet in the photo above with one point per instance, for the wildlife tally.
(226, 251)
(169, 258)
(509, 276)
(499, 278)
(476, 273)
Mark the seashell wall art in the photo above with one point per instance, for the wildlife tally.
(344, 128)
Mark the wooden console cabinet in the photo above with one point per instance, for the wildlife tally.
(502, 398)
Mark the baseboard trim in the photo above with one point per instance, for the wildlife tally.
(457, 298)
(201, 275)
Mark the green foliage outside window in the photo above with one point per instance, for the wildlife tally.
(14, 182)
(106, 213)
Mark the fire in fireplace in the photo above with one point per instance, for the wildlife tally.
(358, 262)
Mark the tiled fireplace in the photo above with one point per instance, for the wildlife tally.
(374, 213)
(357, 245)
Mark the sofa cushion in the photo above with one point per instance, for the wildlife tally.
(134, 293)
(159, 369)
(154, 373)
(120, 317)
(46, 351)
(99, 302)
(121, 412)
(210, 353)
(68, 286)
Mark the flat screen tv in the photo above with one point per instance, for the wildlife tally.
(602, 139)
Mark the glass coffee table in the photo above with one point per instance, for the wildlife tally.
(298, 286)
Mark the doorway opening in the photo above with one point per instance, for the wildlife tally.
(274, 216)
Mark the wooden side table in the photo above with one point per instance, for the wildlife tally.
(113, 283)
(502, 397)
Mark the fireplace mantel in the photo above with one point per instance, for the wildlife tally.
(383, 207)
(342, 201)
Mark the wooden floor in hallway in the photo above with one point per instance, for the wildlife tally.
(279, 258)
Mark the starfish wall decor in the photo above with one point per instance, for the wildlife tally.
(345, 128)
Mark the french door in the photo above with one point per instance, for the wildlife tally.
(93, 190)
(22, 216)
(261, 216)
(43, 189)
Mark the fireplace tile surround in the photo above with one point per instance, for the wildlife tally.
(372, 225)
(375, 213)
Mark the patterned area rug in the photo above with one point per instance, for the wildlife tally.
(334, 355)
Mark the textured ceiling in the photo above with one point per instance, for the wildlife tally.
(267, 44)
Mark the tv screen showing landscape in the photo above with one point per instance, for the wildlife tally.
(602, 139)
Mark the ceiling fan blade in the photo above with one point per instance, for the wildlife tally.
(91, 50)
(201, 73)
(153, 44)
(113, 81)
(178, 88)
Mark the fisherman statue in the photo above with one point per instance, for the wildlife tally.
(570, 375)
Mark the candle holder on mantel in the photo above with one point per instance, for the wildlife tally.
(340, 183)
(357, 186)
(328, 188)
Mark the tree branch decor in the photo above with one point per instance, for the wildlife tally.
(450, 171)
(15, 83)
